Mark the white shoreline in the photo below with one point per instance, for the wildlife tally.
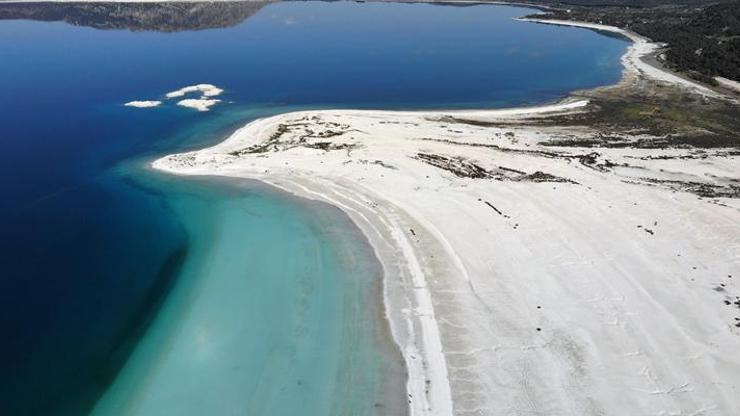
(728, 83)
(385, 213)
(633, 59)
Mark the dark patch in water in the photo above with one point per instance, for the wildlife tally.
(139, 323)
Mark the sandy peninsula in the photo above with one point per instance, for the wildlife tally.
(525, 275)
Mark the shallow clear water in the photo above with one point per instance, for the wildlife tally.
(102, 259)
(270, 314)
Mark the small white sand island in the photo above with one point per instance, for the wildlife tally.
(143, 104)
(207, 90)
(200, 104)
(204, 103)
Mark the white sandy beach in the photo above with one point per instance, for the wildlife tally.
(522, 278)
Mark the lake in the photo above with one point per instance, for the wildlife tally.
(126, 291)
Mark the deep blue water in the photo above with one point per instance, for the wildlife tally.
(92, 243)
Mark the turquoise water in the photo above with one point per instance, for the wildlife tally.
(274, 312)
(126, 291)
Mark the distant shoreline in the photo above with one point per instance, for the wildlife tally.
(636, 60)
